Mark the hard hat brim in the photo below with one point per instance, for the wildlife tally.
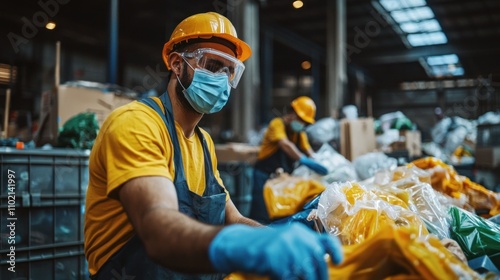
(243, 50)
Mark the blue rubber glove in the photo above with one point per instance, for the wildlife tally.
(282, 252)
(314, 165)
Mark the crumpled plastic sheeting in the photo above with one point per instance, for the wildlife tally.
(354, 214)
(435, 150)
(410, 172)
(387, 138)
(394, 253)
(387, 120)
(445, 179)
(369, 164)
(339, 168)
(489, 118)
(79, 132)
(286, 195)
(455, 138)
(323, 131)
(441, 131)
(423, 199)
(475, 235)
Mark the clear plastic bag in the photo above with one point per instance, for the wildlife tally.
(354, 213)
(369, 164)
(323, 131)
(423, 199)
(339, 168)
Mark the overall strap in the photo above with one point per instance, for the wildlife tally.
(168, 119)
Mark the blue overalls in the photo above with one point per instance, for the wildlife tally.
(131, 261)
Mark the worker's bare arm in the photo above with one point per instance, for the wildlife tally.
(233, 216)
(171, 238)
(290, 149)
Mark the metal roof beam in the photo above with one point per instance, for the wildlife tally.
(296, 42)
(414, 54)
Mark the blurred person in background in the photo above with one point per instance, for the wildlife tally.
(284, 145)
(156, 207)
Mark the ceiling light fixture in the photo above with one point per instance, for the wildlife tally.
(306, 65)
(50, 25)
(298, 4)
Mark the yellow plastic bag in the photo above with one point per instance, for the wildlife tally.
(394, 253)
(398, 253)
(286, 195)
(445, 179)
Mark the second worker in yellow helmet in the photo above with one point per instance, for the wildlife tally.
(284, 145)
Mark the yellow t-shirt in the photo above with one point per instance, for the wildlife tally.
(275, 132)
(133, 142)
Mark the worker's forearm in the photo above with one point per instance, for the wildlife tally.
(176, 241)
(250, 222)
(291, 150)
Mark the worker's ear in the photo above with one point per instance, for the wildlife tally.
(175, 60)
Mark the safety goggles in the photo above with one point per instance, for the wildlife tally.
(218, 62)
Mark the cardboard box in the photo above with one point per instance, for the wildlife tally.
(488, 157)
(59, 105)
(357, 137)
(413, 142)
(398, 146)
(236, 152)
(75, 100)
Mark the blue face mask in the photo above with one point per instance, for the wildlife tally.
(297, 126)
(208, 92)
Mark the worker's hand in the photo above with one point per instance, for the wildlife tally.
(314, 165)
(282, 252)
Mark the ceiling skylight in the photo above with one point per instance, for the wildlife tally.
(424, 39)
(443, 65)
(442, 59)
(415, 22)
(412, 14)
(447, 70)
(391, 5)
(422, 26)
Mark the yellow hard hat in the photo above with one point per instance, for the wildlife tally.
(206, 26)
(305, 108)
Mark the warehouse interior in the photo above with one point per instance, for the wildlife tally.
(399, 79)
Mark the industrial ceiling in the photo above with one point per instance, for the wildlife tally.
(374, 43)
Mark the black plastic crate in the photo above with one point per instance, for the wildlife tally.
(42, 226)
(55, 263)
(44, 177)
(45, 201)
(488, 135)
(238, 180)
